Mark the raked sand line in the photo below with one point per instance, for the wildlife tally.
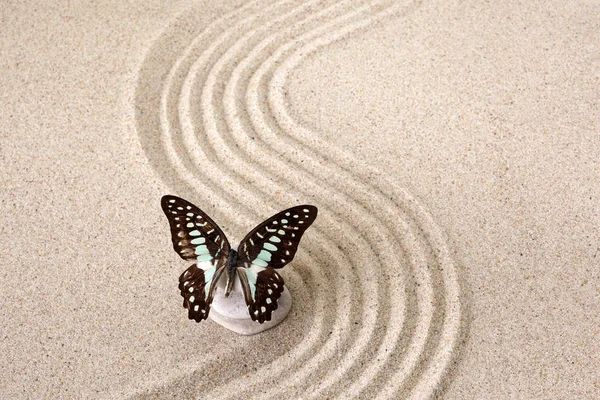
(366, 338)
(206, 111)
(210, 112)
(179, 149)
(451, 323)
(451, 317)
(388, 276)
(194, 75)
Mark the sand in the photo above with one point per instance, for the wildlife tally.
(452, 149)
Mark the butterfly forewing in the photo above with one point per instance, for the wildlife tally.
(195, 236)
(274, 242)
(270, 245)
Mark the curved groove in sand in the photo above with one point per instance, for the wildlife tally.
(232, 69)
(208, 109)
(169, 128)
(366, 338)
(451, 327)
(342, 262)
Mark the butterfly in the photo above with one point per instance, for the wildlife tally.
(268, 247)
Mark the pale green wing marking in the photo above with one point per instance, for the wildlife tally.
(205, 257)
(198, 240)
(202, 250)
(259, 262)
(208, 275)
(251, 281)
(264, 255)
(269, 246)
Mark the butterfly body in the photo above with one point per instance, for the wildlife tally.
(269, 246)
(232, 261)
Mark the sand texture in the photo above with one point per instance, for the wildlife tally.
(452, 148)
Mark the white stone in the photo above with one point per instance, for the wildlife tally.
(232, 312)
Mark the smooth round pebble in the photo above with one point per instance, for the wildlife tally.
(232, 312)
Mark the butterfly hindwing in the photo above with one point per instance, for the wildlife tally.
(197, 285)
(269, 246)
(262, 288)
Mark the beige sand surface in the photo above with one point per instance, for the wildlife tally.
(452, 148)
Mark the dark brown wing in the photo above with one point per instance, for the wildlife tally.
(275, 242)
(194, 234)
(270, 245)
(196, 237)
(262, 288)
(197, 287)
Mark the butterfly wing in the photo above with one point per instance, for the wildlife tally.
(197, 285)
(269, 246)
(194, 234)
(196, 237)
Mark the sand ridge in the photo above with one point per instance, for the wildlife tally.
(375, 271)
